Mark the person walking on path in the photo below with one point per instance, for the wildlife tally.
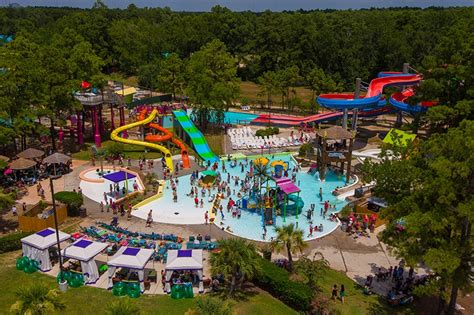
(342, 293)
(149, 220)
(334, 292)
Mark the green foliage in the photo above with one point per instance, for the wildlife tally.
(267, 131)
(277, 281)
(290, 239)
(212, 306)
(306, 149)
(431, 193)
(311, 270)
(123, 306)
(11, 242)
(37, 300)
(73, 200)
(212, 82)
(115, 149)
(6, 200)
(237, 260)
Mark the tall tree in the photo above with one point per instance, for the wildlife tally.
(431, 197)
(319, 83)
(269, 85)
(289, 238)
(212, 82)
(171, 75)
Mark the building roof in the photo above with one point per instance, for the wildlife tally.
(287, 185)
(395, 135)
(335, 132)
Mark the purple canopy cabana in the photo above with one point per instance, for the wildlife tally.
(119, 176)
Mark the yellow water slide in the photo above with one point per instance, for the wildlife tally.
(114, 136)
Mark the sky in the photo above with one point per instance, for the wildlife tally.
(243, 5)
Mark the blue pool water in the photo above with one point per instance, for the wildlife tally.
(229, 118)
(250, 224)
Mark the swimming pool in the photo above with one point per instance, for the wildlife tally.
(250, 223)
(234, 118)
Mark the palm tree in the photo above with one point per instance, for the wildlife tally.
(290, 238)
(101, 154)
(123, 306)
(237, 259)
(261, 172)
(210, 305)
(37, 300)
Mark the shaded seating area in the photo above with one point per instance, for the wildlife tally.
(184, 266)
(130, 261)
(84, 251)
(40, 246)
(57, 164)
(116, 179)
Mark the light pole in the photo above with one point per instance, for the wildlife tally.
(62, 282)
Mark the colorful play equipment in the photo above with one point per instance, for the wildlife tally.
(280, 198)
(187, 131)
(115, 136)
(166, 136)
(93, 102)
(371, 104)
(261, 161)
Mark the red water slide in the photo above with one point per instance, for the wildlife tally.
(166, 136)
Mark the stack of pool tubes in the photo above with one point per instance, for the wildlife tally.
(132, 289)
(181, 291)
(73, 279)
(27, 265)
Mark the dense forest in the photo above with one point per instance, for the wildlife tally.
(344, 44)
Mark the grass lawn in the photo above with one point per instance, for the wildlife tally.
(355, 302)
(216, 143)
(87, 300)
(250, 90)
(132, 151)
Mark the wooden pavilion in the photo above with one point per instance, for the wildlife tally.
(334, 145)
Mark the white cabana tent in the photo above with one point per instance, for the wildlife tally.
(35, 246)
(184, 259)
(133, 258)
(85, 252)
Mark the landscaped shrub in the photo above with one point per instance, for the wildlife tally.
(306, 149)
(267, 131)
(12, 242)
(72, 200)
(276, 281)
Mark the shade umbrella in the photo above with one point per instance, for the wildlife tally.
(31, 153)
(57, 158)
(4, 158)
(209, 173)
(22, 164)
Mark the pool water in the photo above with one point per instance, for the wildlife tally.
(234, 118)
(250, 224)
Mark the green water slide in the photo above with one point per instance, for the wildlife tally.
(197, 138)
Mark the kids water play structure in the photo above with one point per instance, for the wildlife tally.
(115, 136)
(187, 131)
